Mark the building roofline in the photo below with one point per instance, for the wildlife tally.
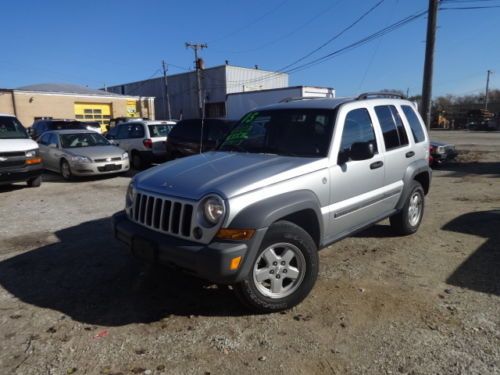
(279, 89)
(194, 71)
(56, 93)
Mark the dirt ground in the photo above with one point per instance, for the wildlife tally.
(72, 300)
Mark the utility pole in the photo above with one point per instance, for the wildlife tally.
(487, 90)
(165, 80)
(198, 47)
(429, 62)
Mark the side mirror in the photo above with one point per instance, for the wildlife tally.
(362, 151)
(52, 145)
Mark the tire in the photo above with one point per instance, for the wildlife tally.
(66, 170)
(137, 162)
(35, 181)
(409, 218)
(286, 249)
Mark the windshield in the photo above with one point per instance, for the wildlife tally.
(83, 140)
(160, 130)
(11, 128)
(292, 132)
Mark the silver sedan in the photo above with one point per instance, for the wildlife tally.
(81, 153)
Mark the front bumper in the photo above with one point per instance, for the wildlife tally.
(89, 169)
(211, 261)
(19, 174)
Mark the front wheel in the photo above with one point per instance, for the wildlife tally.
(35, 181)
(409, 218)
(66, 170)
(283, 272)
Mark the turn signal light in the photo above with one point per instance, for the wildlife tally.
(235, 263)
(235, 234)
(34, 161)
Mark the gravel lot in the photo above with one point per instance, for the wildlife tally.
(73, 301)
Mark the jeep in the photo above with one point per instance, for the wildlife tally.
(288, 180)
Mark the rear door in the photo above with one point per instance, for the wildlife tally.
(356, 186)
(123, 137)
(398, 151)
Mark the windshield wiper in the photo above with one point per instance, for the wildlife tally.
(233, 148)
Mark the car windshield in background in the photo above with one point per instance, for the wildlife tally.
(160, 130)
(61, 125)
(291, 132)
(83, 140)
(11, 128)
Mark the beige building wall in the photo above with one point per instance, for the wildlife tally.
(6, 105)
(30, 105)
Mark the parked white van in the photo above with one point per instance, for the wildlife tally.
(19, 155)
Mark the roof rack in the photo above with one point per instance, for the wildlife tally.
(367, 95)
(293, 99)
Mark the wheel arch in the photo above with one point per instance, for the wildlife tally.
(300, 207)
(417, 171)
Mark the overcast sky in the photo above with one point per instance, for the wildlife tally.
(117, 41)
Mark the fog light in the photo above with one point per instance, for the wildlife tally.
(235, 263)
(197, 233)
(235, 234)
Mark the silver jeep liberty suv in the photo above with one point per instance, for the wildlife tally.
(288, 180)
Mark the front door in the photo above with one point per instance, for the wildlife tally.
(356, 185)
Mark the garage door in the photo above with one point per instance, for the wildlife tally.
(94, 112)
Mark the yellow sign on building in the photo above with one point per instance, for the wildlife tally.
(132, 108)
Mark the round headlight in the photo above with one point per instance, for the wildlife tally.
(213, 209)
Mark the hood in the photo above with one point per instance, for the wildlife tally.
(12, 145)
(96, 152)
(225, 173)
(436, 144)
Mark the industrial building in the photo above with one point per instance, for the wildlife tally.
(215, 84)
(67, 101)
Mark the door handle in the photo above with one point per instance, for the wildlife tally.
(376, 165)
(409, 154)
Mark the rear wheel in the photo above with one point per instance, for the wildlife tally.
(35, 181)
(137, 162)
(408, 220)
(66, 170)
(284, 271)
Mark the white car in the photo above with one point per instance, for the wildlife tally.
(19, 155)
(145, 141)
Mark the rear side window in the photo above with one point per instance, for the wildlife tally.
(160, 130)
(358, 128)
(394, 132)
(415, 125)
(187, 130)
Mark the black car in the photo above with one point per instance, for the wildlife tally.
(184, 139)
(41, 126)
(441, 152)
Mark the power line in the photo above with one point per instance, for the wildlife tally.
(246, 26)
(336, 36)
(290, 33)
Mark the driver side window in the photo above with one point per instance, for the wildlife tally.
(44, 139)
(358, 128)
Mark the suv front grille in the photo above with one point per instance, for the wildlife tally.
(12, 159)
(165, 215)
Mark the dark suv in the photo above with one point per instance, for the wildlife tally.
(41, 126)
(184, 139)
